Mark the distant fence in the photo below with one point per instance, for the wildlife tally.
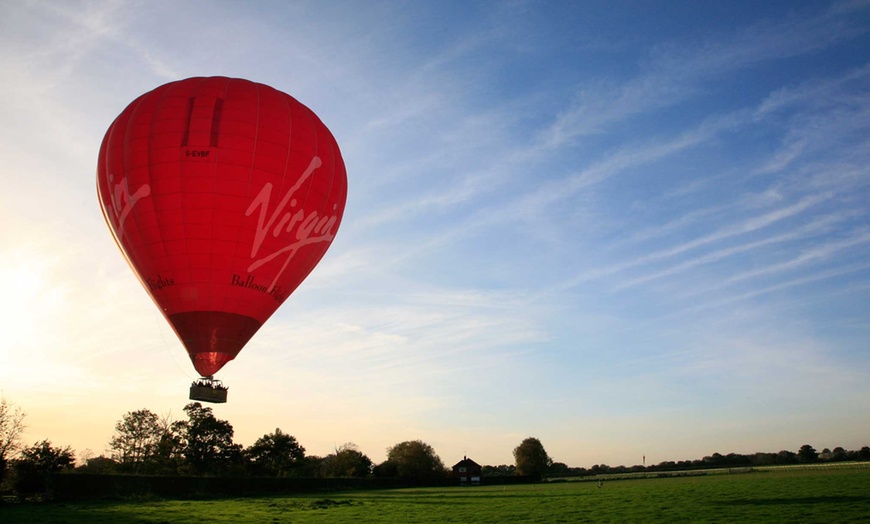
(714, 471)
(498, 480)
(815, 466)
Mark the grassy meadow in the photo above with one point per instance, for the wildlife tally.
(813, 495)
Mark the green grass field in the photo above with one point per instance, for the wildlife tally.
(817, 495)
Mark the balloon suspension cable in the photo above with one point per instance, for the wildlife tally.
(209, 382)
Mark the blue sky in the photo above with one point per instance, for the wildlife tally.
(624, 228)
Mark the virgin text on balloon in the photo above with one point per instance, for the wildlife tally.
(123, 200)
(304, 226)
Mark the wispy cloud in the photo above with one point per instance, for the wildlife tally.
(746, 226)
(816, 254)
(673, 74)
(812, 229)
(810, 278)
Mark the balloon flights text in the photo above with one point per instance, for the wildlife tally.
(223, 195)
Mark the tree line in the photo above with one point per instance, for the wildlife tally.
(807, 454)
(144, 443)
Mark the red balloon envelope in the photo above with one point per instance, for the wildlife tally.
(223, 194)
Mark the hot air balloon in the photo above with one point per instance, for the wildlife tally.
(223, 195)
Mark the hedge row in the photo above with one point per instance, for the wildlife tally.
(83, 486)
(76, 487)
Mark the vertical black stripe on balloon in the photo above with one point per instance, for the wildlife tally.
(186, 137)
(215, 121)
(214, 132)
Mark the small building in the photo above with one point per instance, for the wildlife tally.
(467, 471)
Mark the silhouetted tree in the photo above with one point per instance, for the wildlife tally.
(347, 461)
(136, 438)
(559, 469)
(531, 458)
(414, 460)
(714, 461)
(807, 454)
(33, 470)
(207, 442)
(764, 459)
(839, 454)
(599, 469)
(11, 426)
(310, 466)
(275, 454)
(146, 443)
(169, 453)
(786, 457)
(98, 466)
(503, 470)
